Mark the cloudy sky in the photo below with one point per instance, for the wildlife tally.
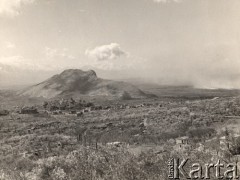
(193, 42)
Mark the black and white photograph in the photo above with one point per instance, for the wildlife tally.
(119, 89)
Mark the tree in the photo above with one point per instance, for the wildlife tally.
(45, 104)
(126, 96)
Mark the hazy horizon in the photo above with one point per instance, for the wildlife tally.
(175, 42)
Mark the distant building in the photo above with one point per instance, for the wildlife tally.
(85, 110)
(182, 140)
(29, 110)
(73, 111)
(79, 114)
(55, 112)
(182, 144)
(200, 147)
(117, 144)
(4, 112)
(226, 142)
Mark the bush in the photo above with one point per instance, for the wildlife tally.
(126, 96)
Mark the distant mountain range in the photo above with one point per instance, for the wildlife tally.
(75, 82)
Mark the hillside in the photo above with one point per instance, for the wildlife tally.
(75, 82)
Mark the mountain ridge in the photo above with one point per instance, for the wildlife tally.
(77, 82)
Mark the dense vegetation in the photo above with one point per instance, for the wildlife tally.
(65, 146)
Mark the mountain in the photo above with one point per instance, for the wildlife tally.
(75, 82)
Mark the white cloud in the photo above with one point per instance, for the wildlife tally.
(11, 8)
(106, 52)
(17, 70)
(167, 1)
(19, 63)
(10, 45)
(52, 53)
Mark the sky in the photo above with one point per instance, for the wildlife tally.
(171, 42)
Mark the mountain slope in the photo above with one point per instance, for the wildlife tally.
(76, 82)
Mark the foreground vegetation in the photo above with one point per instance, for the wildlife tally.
(64, 146)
